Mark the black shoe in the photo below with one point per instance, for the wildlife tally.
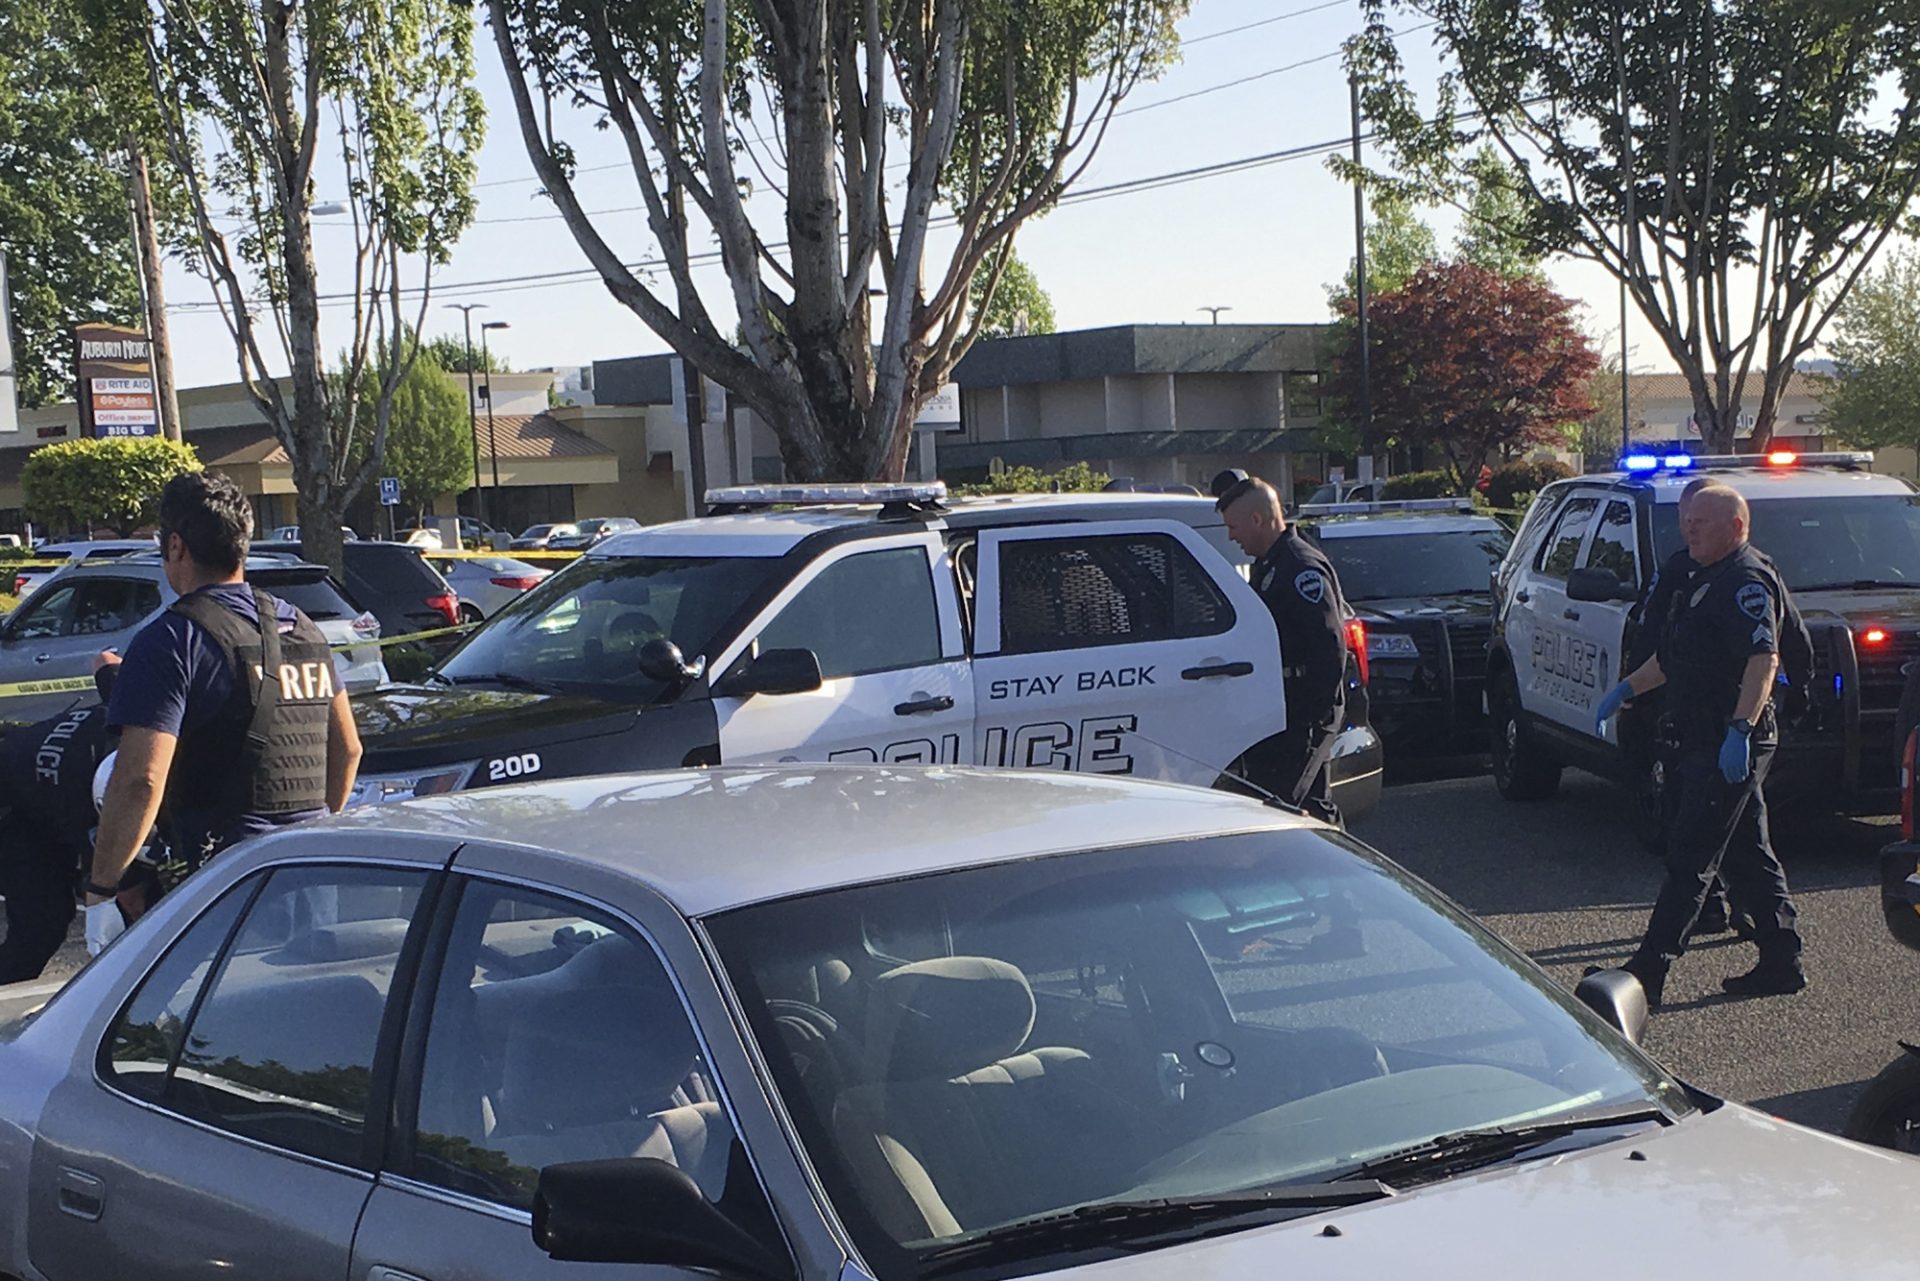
(1767, 980)
(1652, 986)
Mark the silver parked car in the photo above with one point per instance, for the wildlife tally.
(26, 581)
(100, 605)
(536, 537)
(817, 1023)
(486, 584)
(587, 533)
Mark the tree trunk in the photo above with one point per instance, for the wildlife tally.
(154, 292)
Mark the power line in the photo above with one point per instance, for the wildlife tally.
(1185, 41)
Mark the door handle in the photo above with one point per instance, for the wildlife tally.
(941, 703)
(1217, 669)
(43, 658)
(381, 1272)
(82, 1195)
(1571, 615)
(1523, 595)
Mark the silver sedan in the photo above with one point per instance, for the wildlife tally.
(487, 583)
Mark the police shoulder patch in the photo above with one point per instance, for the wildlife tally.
(1753, 600)
(1312, 586)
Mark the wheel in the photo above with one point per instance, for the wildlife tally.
(1888, 1113)
(470, 613)
(1520, 770)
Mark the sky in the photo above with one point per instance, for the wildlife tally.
(1264, 242)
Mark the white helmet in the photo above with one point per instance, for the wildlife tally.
(101, 774)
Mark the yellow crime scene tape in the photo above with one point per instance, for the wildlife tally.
(74, 684)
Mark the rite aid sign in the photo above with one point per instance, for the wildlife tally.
(114, 369)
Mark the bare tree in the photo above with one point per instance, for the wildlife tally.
(996, 107)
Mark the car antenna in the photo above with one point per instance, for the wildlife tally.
(1266, 797)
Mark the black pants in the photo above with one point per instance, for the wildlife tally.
(1720, 829)
(37, 876)
(1293, 766)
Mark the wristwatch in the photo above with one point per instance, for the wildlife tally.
(94, 887)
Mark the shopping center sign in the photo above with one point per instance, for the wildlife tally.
(113, 366)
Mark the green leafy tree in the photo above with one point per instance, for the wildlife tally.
(1870, 400)
(428, 435)
(1074, 478)
(1737, 163)
(81, 484)
(1008, 299)
(1494, 227)
(248, 94)
(449, 351)
(63, 198)
(877, 113)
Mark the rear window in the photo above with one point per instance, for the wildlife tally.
(392, 569)
(317, 598)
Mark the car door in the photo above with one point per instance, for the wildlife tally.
(1556, 662)
(1120, 647)
(550, 1029)
(221, 1128)
(882, 616)
(1613, 546)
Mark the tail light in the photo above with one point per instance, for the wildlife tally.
(1357, 645)
(519, 582)
(448, 605)
(1906, 786)
(1874, 636)
(19, 584)
(366, 627)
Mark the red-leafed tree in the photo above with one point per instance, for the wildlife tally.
(1470, 363)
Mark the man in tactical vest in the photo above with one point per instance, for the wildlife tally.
(226, 706)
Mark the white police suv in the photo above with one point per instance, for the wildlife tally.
(1847, 543)
(1108, 633)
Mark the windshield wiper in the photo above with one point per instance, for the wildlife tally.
(1142, 1224)
(1468, 1149)
(1862, 585)
(510, 679)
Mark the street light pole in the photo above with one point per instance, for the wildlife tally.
(1360, 273)
(466, 309)
(493, 448)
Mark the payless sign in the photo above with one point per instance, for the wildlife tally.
(114, 368)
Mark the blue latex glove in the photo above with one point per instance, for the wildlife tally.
(1736, 756)
(1610, 706)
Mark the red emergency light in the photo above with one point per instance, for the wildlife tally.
(1874, 636)
(1782, 458)
(1357, 642)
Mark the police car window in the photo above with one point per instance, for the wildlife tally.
(46, 615)
(1825, 542)
(1614, 540)
(1562, 549)
(582, 629)
(107, 605)
(1113, 589)
(556, 1035)
(281, 1048)
(872, 612)
(1392, 566)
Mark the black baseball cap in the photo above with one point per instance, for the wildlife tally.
(1228, 486)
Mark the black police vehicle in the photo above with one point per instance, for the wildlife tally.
(1110, 633)
(1846, 541)
(1418, 574)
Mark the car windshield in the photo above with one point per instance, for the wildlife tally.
(581, 630)
(1388, 566)
(535, 531)
(971, 1049)
(1825, 542)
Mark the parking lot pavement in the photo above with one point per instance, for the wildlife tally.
(1565, 880)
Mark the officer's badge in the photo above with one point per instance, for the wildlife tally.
(1753, 601)
(1699, 592)
(1312, 586)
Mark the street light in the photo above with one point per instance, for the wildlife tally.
(1214, 312)
(473, 424)
(493, 450)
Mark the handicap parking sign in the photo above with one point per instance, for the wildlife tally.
(389, 491)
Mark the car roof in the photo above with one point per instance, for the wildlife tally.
(712, 839)
(1388, 523)
(777, 532)
(151, 561)
(1759, 482)
(99, 544)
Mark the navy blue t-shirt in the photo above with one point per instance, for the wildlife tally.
(173, 679)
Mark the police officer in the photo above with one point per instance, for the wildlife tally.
(1297, 583)
(225, 704)
(1717, 657)
(46, 819)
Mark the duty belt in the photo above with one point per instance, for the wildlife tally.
(1293, 673)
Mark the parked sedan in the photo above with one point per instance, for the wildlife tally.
(590, 531)
(797, 1023)
(99, 606)
(487, 583)
(536, 537)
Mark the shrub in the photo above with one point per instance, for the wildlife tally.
(1421, 484)
(1073, 478)
(1513, 480)
(114, 482)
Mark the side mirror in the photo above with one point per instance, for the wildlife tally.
(641, 1210)
(1598, 585)
(1617, 997)
(661, 660)
(776, 671)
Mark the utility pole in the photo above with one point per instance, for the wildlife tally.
(1214, 312)
(1360, 272)
(153, 293)
(1627, 217)
(493, 445)
(696, 435)
(466, 309)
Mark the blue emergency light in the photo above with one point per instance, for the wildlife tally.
(1656, 462)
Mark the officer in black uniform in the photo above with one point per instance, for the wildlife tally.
(1297, 583)
(226, 706)
(1717, 657)
(46, 825)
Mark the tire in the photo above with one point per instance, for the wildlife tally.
(471, 613)
(1887, 1114)
(1520, 770)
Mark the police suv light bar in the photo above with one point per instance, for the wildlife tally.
(1645, 462)
(1387, 505)
(811, 495)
